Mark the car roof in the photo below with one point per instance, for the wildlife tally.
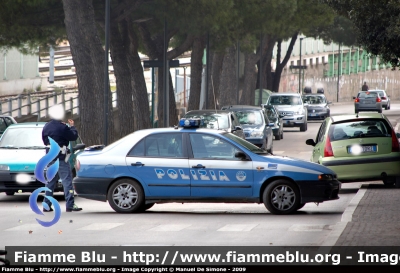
(27, 124)
(285, 94)
(314, 94)
(381, 90)
(209, 111)
(243, 107)
(339, 118)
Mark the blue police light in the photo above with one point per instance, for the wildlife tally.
(190, 122)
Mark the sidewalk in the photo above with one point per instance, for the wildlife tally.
(376, 220)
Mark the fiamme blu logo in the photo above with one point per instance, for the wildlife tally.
(45, 173)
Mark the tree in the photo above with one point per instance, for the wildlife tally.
(377, 30)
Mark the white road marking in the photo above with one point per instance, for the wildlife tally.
(169, 227)
(237, 227)
(299, 227)
(25, 227)
(101, 226)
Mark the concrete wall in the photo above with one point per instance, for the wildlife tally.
(19, 72)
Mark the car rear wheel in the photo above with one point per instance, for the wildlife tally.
(126, 196)
(281, 197)
(282, 135)
(278, 137)
(10, 193)
(380, 111)
(303, 127)
(388, 106)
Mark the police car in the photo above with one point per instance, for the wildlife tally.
(188, 164)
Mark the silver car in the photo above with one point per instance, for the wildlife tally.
(291, 108)
(384, 97)
(368, 101)
(5, 121)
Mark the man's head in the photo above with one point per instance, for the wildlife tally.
(365, 82)
(57, 112)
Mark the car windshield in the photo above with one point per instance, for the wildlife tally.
(366, 95)
(211, 120)
(284, 100)
(22, 138)
(314, 99)
(249, 117)
(247, 145)
(359, 129)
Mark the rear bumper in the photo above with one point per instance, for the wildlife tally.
(92, 187)
(367, 107)
(8, 183)
(319, 191)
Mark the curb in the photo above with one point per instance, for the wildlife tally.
(347, 216)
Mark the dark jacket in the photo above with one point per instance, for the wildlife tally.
(60, 133)
(364, 87)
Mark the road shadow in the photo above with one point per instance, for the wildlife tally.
(348, 191)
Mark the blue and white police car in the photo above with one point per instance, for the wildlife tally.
(188, 164)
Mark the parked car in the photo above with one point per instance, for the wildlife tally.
(188, 164)
(384, 98)
(361, 147)
(21, 147)
(218, 120)
(273, 116)
(256, 125)
(5, 121)
(367, 101)
(292, 108)
(317, 106)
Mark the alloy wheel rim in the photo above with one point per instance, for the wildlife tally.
(283, 197)
(125, 196)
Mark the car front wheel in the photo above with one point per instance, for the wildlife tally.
(303, 127)
(281, 197)
(126, 196)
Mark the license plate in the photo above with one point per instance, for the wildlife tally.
(365, 149)
(288, 121)
(313, 114)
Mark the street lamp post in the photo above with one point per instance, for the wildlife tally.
(301, 41)
(106, 76)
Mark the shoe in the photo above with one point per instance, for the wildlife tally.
(44, 210)
(74, 208)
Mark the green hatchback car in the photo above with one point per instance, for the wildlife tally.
(361, 147)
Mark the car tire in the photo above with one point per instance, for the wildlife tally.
(282, 135)
(303, 127)
(10, 193)
(271, 151)
(278, 137)
(380, 111)
(389, 182)
(281, 197)
(388, 107)
(124, 189)
(147, 206)
(397, 182)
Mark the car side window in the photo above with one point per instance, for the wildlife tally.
(3, 125)
(8, 121)
(233, 122)
(212, 147)
(321, 133)
(159, 145)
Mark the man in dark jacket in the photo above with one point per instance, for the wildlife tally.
(364, 87)
(62, 134)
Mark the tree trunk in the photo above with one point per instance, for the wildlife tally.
(249, 79)
(119, 50)
(227, 84)
(214, 79)
(196, 69)
(88, 56)
(140, 96)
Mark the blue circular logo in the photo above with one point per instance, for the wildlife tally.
(241, 175)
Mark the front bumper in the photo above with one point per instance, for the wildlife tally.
(317, 115)
(319, 191)
(294, 121)
(256, 141)
(8, 183)
(92, 187)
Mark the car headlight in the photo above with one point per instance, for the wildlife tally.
(4, 168)
(257, 134)
(326, 177)
(299, 112)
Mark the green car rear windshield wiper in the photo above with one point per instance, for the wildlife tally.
(33, 147)
(8, 147)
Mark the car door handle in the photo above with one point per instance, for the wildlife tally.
(137, 164)
(199, 166)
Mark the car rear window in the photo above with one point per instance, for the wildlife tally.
(368, 94)
(360, 128)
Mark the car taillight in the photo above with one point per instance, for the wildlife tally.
(357, 100)
(77, 165)
(384, 98)
(395, 143)
(328, 148)
(378, 100)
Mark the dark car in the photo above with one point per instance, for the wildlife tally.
(5, 121)
(218, 120)
(256, 125)
(317, 106)
(273, 116)
(368, 101)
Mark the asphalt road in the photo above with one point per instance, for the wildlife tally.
(185, 224)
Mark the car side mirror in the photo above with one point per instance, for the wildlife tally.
(79, 147)
(354, 98)
(240, 155)
(310, 142)
(238, 128)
